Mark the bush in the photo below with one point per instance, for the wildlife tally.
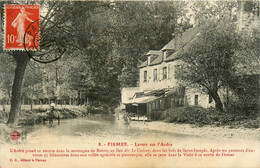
(253, 123)
(200, 116)
(5, 132)
(3, 116)
(156, 115)
(31, 117)
(243, 107)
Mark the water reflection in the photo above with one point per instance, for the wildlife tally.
(103, 126)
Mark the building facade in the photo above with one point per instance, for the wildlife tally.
(158, 87)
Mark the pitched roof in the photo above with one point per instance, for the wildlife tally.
(174, 55)
(178, 44)
(154, 52)
(170, 45)
(144, 64)
(182, 39)
(157, 60)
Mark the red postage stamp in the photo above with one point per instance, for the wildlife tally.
(17, 20)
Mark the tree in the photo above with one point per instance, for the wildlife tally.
(7, 67)
(21, 59)
(248, 54)
(114, 31)
(208, 62)
(202, 11)
(50, 37)
(33, 83)
(111, 34)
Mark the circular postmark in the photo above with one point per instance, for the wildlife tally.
(43, 46)
(30, 37)
(15, 135)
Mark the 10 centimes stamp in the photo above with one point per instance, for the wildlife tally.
(17, 19)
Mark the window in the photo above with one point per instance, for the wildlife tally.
(155, 74)
(158, 104)
(164, 73)
(145, 76)
(210, 99)
(153, 106)
(167, 53)
(181, 102)
(161, 104)
(196, 99)
(169, 68)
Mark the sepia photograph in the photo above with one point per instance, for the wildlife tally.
(156, 84)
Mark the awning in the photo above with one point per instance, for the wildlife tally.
(142, 100)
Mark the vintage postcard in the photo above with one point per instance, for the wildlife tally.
(129, 84)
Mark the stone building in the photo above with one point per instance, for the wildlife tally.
(158, 88)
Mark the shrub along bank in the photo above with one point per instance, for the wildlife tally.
(36, 116)
(200, 116)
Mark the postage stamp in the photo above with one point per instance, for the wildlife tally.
(17, 19)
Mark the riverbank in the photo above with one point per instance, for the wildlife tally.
(228, 129)
(221, 132)
(38, 115)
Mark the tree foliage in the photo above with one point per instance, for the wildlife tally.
(202, 11)
(209, 61)
(110, 34)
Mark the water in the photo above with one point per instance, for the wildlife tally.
(106, 127)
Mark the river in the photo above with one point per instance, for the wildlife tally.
(106, 128)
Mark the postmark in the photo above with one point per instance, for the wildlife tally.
(15, 135)
(17, 19)
(49, 49)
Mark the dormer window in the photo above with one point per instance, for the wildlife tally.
(151, 58)
(167, 53)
